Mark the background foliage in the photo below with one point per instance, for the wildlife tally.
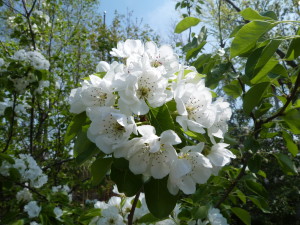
(258, 74)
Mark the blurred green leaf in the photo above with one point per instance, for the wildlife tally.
(251, 14)
(256, 188)
(186, 23)
(242, 214)
(286, 164)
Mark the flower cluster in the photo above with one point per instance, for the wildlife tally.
(34, 58)
(19, 108)
(32, 209)
(65, 189)
(28, 169)
(117, 209)
(24, 195)
(117, 99)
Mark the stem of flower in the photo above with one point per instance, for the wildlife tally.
(135, 201)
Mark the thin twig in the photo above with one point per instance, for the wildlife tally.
(134, 204)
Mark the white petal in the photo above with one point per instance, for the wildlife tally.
(187, 185)
(146, 130)
(159, 168)
(138, 163)
(180, 168)
(194, 126)
(169, 137)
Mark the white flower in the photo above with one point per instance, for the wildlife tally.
(75, 101)
(20, 84)
(215, 217)
(162, 58)
(142, 87)
(97, 92)
(109, 128)
(102, 67)
(32, 209)
(128, 48)
(193, 102)
(24, 195)
(191, 167)
(153, 155)
(1, 62)
(20, 55)
(223, 114)
(110, 216)
(58, 212)
(34, 223)
(219, 156)
(221, 52)
(100, 205)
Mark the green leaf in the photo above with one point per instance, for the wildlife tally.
(241, 196)
(186, 23)
(260, 203)
(194, 52)
(126, 181)
(75, 126)
(286, 164)
(235, 30)
(261, 76)
(254, 96)
(84, 149)
(270, 14)
(278, 70)
(161, 119)
(255, 163)
(159, 200)
(251, 14)
(149, 218)
(292, 118)
(86, 217)
(99, 169)
(247, 36)
(7, 158)
(251, 144)
(19, 222)
(294, 50)
(200, 212)
(233, 90)
(213, 78)
(242, 214)
(266, 54)
(292, 147)
(256, 188)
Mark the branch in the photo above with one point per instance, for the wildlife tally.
(11, 124)
(135, 201)
(57, 163)
(233, 5)
(288, 101)
(12, 8)
(28, 13)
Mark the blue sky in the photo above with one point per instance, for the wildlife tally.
(159, 14)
